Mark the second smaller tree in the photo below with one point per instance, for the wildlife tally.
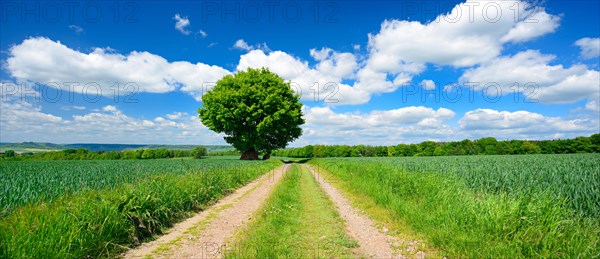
(198, 152)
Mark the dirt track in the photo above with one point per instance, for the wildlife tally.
(205, 235)
(372, 242)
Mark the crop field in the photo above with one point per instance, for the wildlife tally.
(457, 206)
(75, 209)
(33, 181)
(485, 206)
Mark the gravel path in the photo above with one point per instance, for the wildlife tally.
(372, 242)
(205, 235)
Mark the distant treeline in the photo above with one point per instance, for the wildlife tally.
(484, 146)
(232, 152)
(84, 154)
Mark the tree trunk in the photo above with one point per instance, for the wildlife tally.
(249, 155)
(267, 156)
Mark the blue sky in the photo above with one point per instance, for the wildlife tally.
(387, 72)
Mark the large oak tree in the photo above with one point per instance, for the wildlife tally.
(256, 109)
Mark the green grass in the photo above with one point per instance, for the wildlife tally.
(103, 222)
(486, 207)
(298, 221)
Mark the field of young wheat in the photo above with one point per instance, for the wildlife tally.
(457, 206)
(81, 209)
(486, 206)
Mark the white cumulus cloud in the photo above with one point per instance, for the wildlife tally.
(241, 44)
(24, 120)
(473, 32)
(533, 74)
(590, 47)
(381, 127)
(522, 124)
(428, 84)
(532, 25)
(182, 24)
(322, 82)
(41, 60)
(76, 28)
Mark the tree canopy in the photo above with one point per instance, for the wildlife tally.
(198, 152)
(256, 109)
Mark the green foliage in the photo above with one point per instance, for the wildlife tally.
(484, 146)
(9, 153)
(199, 152)
(132, 154)
(179, 153)
(163, 153)
(84, 154)
(256, 109)
(530, 206)
(100, 221)
(148, 154)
